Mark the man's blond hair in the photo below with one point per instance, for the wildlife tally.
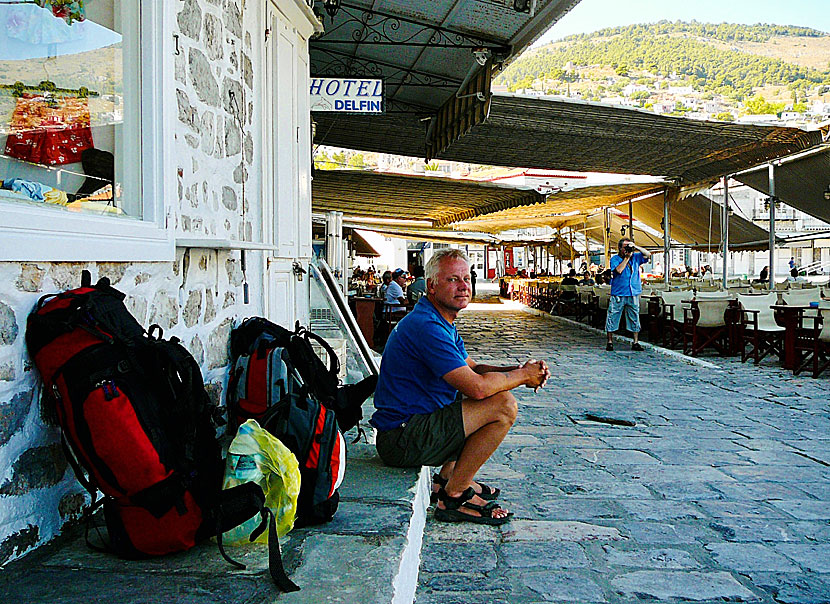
(433, 265)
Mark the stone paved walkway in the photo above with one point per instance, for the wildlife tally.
(720, 492)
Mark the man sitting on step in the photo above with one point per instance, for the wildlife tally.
(419, 417)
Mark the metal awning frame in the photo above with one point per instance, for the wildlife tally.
(375, 27)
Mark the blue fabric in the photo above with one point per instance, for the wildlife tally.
(627, 283)
(419, 285)
(33, 190)
(393, 293)
(616, 306)
(421, 349)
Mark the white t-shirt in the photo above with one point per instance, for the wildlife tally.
(393, 295)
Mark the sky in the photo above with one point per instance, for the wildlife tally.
(591, 15)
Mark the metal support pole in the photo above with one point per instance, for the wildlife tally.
(559, 249)
(587, 245)
(631, 220)
(725, 228)
(771, 227)
(666, 238)
(571, 241)
(606, 237)
(331, 240)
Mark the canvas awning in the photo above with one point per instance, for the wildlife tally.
(436, 200)
(618, 222)
(696, 222)
(425, 234)
(360, 246)
(552, 211)
(532, 132)
(799, 182)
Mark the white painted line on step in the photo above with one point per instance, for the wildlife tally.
(405, 582)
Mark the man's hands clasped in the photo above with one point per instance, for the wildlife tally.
(537, 373)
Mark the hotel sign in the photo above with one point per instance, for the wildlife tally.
(347, 95)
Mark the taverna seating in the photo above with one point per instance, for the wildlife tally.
(704, 325)
(758, 327)
(667, 317)
(813, 340)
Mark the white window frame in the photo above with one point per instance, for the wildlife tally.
(45, 234)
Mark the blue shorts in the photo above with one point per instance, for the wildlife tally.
(616, 306)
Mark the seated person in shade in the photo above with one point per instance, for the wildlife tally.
(385, 279)
(394, 291)
(571, 278)
(419, 418)
(586, 279)
(418, 287)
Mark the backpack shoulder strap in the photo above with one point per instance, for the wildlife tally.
(334, 362)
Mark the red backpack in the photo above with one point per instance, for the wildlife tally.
(278, 379)
(138, 425)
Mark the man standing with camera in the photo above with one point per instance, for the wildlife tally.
(625, 290)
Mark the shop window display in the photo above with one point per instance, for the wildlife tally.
(69, 105)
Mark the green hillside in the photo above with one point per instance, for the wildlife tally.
(727, 32)
(652, 51)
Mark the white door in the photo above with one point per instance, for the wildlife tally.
(287, 169)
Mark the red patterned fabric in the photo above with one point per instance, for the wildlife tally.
(49, 131)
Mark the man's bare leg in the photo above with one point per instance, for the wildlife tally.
(486, 423)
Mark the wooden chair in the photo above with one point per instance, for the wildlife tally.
(813, 340)
(603, 296)
(759, 328)
(670, 317)
(704, 325)
(587, 303)
(567, 302)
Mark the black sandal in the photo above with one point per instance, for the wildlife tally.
(488, 493)
(451, 513)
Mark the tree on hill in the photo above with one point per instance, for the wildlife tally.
(759, 106)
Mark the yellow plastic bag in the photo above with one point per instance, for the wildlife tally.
(256, 455)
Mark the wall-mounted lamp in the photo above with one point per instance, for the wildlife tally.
(331, 6)
(481, 55)
(521, 6)
(766, 204)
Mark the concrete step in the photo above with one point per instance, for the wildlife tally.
(369, 553)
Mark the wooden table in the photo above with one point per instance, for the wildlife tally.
(788, 316)
(364, 312)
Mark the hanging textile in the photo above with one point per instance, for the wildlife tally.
(35, 25)
(49, 130)
(68, 10)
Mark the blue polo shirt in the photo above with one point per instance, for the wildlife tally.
(627, 283)
(421, 349)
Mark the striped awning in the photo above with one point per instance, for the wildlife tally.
(553, 212)
(696, 222)
(433, 200)
(564, 134)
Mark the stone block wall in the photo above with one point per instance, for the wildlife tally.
(197, 297)
(217, 145)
